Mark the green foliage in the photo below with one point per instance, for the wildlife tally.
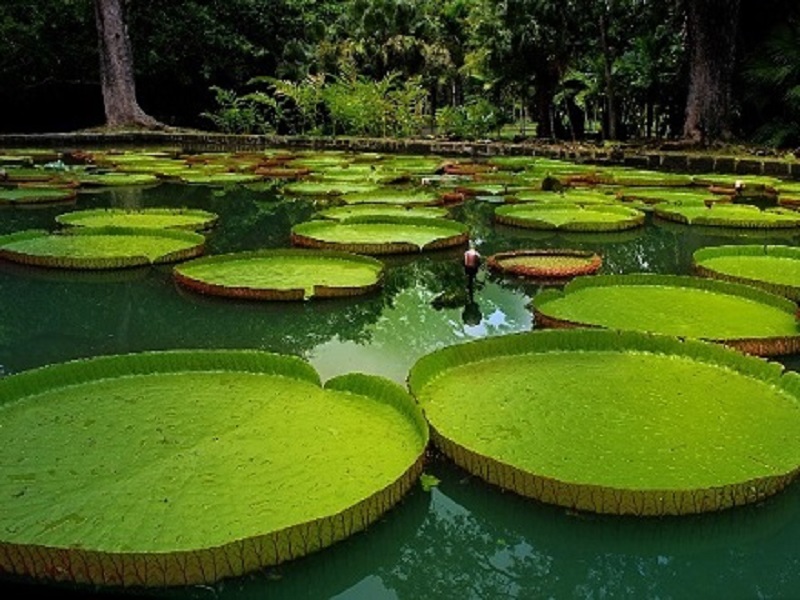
(346, 105)
(241, 114)
(388, 107)
(476, 119)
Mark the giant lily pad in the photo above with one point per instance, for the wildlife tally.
(409, 197)
(36, 195)
(774, 268)
(381, 235)
(170, 218)
(111, 179)
(729, 215)
(614, 422)
(187, 467)
(382, 210)
(328, 188)
(282, 274)
(635, 177)
(741, 316)
(570, 217)
(672, 195)
(100, 247)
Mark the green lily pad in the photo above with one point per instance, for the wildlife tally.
(740, 316)
(749, 185)
(414, 165)
(100, 247)
(328, 188)
(774, 268)
(186, 467)
(614, 422)
(565, 171)
(169, 218)
(729, 215)
(282, 274)
(569, 217)
(671, 195)
(636, 177)
(411, 197)
(512, 163)
(36, 195)
(33, 174)
(117, 179)
(218, 179)
(381, 235)
(382, 210)
(570, 196)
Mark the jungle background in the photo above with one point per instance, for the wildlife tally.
(696, 70)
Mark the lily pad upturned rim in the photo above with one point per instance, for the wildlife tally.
(454, 234)
(200, 219)
(592, 264)
(759, 346)
(207, 286)
(701, 256)
(107, 566)
(193, 244)
(588, 495)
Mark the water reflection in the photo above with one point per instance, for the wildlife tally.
(464, 539)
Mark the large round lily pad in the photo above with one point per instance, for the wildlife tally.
(121, 179)
(614, 422)
(186, 467)
(328, 188)
(570, 217)
(382, 210)
(100, 247)
(774, 268)
(381, 235)
(741, 316)
(693, 196)
(729, 215)
(168, 218)
(282, 274)
(36, 195)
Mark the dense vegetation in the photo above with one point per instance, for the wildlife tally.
(702, 70)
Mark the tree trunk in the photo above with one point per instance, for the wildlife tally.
(711, 37)
(611, 94)
(116, 68)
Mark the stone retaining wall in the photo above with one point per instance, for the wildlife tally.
(683, 162)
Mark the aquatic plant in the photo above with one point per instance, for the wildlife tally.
(614, 422)
(740, 316)
(774, 268)
(289, 274)
(186, 467)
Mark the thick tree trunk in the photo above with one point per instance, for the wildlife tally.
(116, 68)
(711, 31)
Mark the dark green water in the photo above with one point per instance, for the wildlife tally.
(464, 539)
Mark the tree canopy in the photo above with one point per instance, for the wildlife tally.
(703, 70)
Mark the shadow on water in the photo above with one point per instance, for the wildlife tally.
(464, 539)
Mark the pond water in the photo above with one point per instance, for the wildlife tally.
(463, 539)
